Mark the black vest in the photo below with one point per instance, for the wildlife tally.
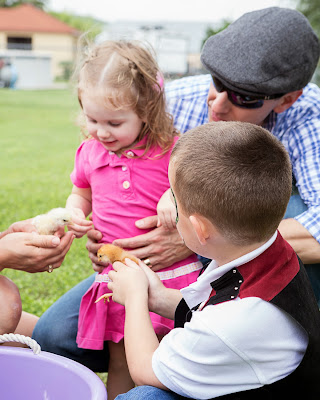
(297, 299)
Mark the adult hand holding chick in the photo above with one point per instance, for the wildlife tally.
(22, 248)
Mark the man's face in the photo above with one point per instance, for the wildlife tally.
(221, 109)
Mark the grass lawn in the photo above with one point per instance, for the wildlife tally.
(38, 139)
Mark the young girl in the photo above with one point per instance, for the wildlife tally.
(120, 174)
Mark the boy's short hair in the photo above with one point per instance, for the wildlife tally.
(237, 175)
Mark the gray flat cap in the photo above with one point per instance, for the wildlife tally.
(264, 52)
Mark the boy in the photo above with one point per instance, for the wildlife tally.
(250, 324)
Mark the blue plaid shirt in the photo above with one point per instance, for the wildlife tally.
(298, 128)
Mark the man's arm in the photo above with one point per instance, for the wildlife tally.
(302, 242)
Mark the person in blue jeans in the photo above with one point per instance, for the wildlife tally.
(251, 64)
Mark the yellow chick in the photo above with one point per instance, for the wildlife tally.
(110, 253)
(49, 223)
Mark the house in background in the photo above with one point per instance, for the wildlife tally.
(36, 43)
(177, 44)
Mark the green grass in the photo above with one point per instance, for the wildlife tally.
(38, 140)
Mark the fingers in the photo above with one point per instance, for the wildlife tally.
(98, 268)
(135, 242)
(117, 266)
(93, 246)
(81, 221)
(145, 268)
(79, 230)
(56, 256)
(22, 226)
(43, 241)
(131, 264)
(147, 223)
(167, 219)
(94, 235)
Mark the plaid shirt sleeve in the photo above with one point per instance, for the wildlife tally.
(187, 101)
(298, 129)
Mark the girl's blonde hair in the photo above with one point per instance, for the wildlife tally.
(126, 75)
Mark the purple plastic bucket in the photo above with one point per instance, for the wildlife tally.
(46, 376)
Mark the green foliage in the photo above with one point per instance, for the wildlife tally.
(38, 141)
(311, 9)
(67, 69)
(210, 31)
(12, 3)
(87, 25)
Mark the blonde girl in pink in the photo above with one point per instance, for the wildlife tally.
(120, 174)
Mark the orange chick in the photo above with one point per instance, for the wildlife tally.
(110, 253)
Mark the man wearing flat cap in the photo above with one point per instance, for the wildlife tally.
(260, 68)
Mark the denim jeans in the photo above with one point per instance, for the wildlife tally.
(295, 207)
(149, 393)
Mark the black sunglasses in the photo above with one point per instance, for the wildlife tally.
(242, 100)
(175, 202)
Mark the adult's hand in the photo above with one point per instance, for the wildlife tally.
(93, 246)
(161, 246)
(27, 226)
(20, 226)
(31, 252)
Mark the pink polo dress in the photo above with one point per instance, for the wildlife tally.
(124, 189)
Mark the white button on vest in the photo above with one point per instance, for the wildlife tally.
(111, 152)
(124, 168)
(126, 185)
(130, 154)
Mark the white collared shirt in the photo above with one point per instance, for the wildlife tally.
(229, 347)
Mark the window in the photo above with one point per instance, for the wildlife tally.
(19, 43)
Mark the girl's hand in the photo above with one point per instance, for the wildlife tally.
(166, 211)
(127, 282)
(80, 225)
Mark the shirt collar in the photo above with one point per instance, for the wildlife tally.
(102, 157)
(270, 121)
(200, 290)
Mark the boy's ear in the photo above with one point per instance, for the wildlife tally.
(200, 226)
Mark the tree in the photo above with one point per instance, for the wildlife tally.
(12, 3)
(210, 31)
(88, 25)
(311, 9)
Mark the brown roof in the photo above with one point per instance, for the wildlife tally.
(28, 18)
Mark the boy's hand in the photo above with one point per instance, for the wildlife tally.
(128, 281)
(166, 211)
(80, 225)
